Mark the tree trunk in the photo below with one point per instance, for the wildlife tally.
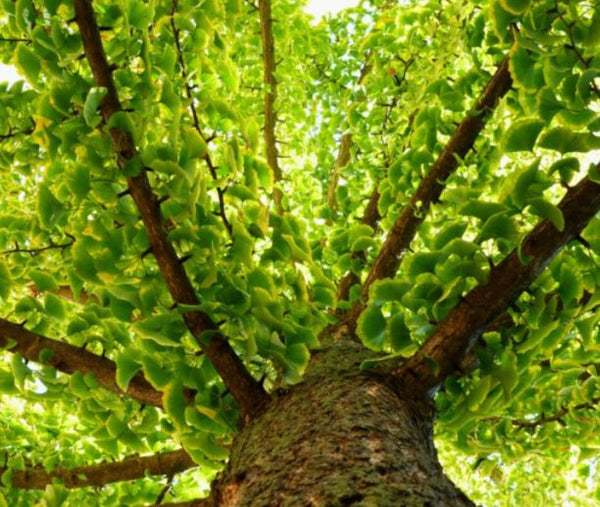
(342, 437)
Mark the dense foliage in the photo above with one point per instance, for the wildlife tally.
(364, 104)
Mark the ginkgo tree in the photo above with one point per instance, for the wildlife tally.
(247, 259)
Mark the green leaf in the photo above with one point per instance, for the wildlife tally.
(524, 70)
(50, 208)
(84, 266)
(371, 327)
(564, 140)
(567, 168)
(154, 373)
(515, 6)
(522, 134)
(194, 143)
(90, 107)
(7, 383)
(501, 20)
(482, 209)
(115, 425)
(297, 355)
(570, 286)
(78, 386)
(27, 63)
(507, 372)
(122, 121)
(54, 306)
(387, 289)
(202, 422)
(399, 335)
(20, 370)
(447, 234)
(545, 209)
(363, 243)
(79, 180)
(499, 226)
(479, 393)
(205, 444)
(43, 281)
(424, 262)
(127, 367)
(5, 280)
(174, 402)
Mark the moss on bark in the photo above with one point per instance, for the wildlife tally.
(342, 437)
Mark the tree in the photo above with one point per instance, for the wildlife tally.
(243, 250)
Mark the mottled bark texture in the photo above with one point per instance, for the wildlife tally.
(342, 437)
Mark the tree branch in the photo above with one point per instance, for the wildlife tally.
(268, 51)
(545, 419)
(341, 161)
(524, 423)
(405, 227)
(131, 468)
(14, 133)
(69, 359)
(441, 353)
(245, 389)
(36, 251)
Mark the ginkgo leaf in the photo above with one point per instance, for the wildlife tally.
(50, 208)
(387, 289)
(371, 327)
(522, 134)
(174, 402)
(28, 62)
(564, 140)
(545, 209)
(515, 6)
(90, 107)
(127, 367)
(5, 280)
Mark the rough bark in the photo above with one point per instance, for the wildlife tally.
(342, 437)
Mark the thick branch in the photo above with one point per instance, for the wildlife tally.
(244, 388)
(131, 468)
(69, 359)
(405, 227)
(268, 50)
(462, 326)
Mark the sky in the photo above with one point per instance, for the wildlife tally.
(319, 8)
(8, 73)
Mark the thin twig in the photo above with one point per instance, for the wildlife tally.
(270, 91)
(196, 122)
